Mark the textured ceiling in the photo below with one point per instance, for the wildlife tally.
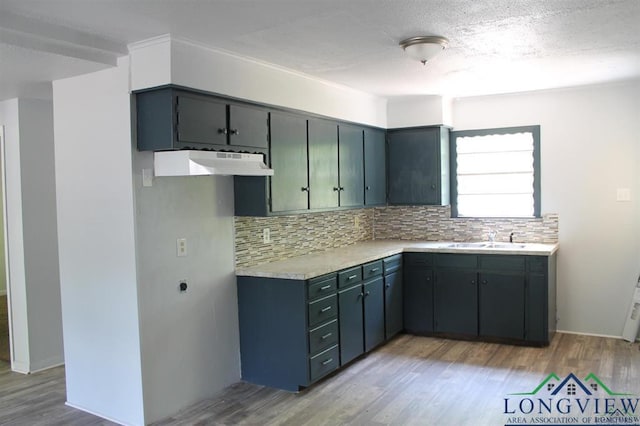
(496, 46)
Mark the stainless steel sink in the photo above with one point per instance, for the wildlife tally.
(505, 245)
(467, 245)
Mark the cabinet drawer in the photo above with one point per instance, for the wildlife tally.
(317, 289)
(537, 264)
(457, 260)
(372, 269)
(322, 337)
(322, 310)
(324, 363)
(349, 276)
(418, 259)
(392, 264)
(503, 262)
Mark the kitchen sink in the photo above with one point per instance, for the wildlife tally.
(467, 245)
(505, 245)
(487, 245)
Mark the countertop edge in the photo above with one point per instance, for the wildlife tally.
(261, 271)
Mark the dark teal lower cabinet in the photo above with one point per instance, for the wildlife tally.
(418, 300)
(456, 301)
(373, 313)
(502, 305)
(393, 309)
(351, 323)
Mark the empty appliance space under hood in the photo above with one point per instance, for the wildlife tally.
(198, 163)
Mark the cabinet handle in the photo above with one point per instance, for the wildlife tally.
(235, 132)
(323, 310)
(484, 282)
(325, 287)
(335, 188)
(326, 336)
(366, 293)
(328, 361)
(428, 279)
(433, 186)
(341, 189)
(304, 188)
(388, 286)
(349, 278)
(473, 282)
(223, 131)
(367, 188)
(375, 269)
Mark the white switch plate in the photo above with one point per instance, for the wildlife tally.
(356, 221)
(623, 194)
(266, 236)
(181, 247)
(147, 177)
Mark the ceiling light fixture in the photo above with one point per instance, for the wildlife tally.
(424, 48)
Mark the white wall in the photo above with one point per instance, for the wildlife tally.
(419, 110)
(590, 147)
(32, 236)
(190, 341)
(96, 224)
(203, 68)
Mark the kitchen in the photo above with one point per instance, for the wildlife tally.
(160, 358)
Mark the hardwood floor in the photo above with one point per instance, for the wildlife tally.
(411, 380)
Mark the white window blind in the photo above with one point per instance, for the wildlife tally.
(495, 175)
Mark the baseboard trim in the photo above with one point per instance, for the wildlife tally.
(589, 334)
(111, 419)
(47, 367)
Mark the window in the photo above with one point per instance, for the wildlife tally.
(496, 172)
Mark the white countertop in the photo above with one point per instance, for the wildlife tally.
(316, 264)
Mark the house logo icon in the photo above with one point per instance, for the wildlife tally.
(571, 400)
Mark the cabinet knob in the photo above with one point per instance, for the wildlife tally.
(235, 132)
(305, 188)
(223, 131)
(484, 282)
(366, 293)
(368, 188)
(388, 285)
(433, 186)
(473, 282)
(335, 188)
(428, 278)
(341, 189)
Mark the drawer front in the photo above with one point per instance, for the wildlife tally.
(323, 337)
(322, 288)
(322, 310)
(457, 260)
(537, 264)
(372, 269)
(324, 363)
(349, 276)
(502, 263)
(392, 264)
(418, 259)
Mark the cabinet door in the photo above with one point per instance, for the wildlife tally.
(351, 170)
(351, 323)
(375, 168)
(456, 301)
(393, 303)
(289, 183)
(502, 305)
(323, 164)
(201, 120)
(537, 308)
(414, 166)
(373, 313)
(248, 126)
(418, 300)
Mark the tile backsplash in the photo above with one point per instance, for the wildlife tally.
(434, 223)
(299, 234)
(312, 232)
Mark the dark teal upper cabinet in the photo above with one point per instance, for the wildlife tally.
(324, 186)
(171, 118)
(375, 168)
(418, 160)
(290, 184)
(351, 166)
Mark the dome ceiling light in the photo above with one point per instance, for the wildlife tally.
(424, 48)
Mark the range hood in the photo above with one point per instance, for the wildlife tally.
(198, 163)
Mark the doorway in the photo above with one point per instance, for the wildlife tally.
(5, 339)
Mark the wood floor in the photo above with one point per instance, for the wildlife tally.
(411, 380)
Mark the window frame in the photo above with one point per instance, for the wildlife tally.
(453, 165)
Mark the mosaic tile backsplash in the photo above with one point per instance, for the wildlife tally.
(312, 232)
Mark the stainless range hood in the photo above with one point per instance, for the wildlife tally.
(198, 163)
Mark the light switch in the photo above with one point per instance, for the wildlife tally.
(181, 247)
(623, 194)
(266, 236)
(147, 177)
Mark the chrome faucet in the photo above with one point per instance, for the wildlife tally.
(492, 235)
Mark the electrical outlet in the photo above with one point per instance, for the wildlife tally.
(181, 247)
(266, 236)
(623, 194)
